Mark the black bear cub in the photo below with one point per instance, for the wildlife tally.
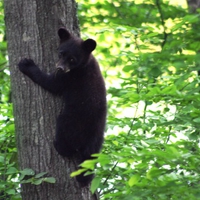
(80, 126)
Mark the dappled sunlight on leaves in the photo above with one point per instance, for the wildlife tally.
(149, 55)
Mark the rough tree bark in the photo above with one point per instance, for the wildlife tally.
(32, 32)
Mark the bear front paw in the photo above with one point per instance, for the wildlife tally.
(25, 65)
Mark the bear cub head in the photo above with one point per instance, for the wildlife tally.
(73, 52)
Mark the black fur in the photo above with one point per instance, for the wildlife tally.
(80, 126)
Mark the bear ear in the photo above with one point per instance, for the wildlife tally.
(63, 34)
(89, 45)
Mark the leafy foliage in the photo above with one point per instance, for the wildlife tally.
(8, 153)
(149, 51)
(33, 178)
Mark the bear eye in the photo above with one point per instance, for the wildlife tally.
(71, 60)
(60, 54)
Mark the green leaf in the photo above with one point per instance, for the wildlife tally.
(10, 191)
(37, 181)
(133, 180)
(27, 181)
(28, 172)
(88, 164)
(50, 179)
(2, 159)
(11, 170)
(78, 172)
(153, 172)
(40, 174)
(103, 159)
(128, 68)
(169, 89)
(197, 120)
(95, 184)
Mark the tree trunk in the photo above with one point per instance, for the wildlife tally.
(193, 5)
(32, 33)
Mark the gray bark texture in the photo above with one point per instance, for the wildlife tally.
(31, 30)
(193, 5)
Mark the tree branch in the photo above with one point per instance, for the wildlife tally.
(162, 22)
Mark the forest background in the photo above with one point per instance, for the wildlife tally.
(149, 55)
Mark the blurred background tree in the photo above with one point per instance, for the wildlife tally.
(149, 55)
